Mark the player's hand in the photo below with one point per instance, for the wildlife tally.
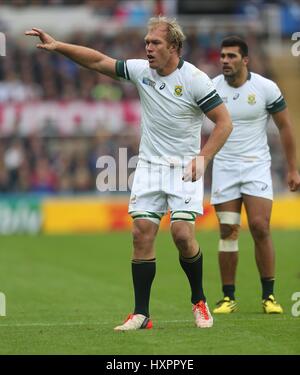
(293, 179)
(48, 43)
(195, 169)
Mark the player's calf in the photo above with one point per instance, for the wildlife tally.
(228, 257)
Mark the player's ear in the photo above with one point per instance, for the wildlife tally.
(246, 60)
(173, 48)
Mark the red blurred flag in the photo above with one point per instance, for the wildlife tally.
(159, 8)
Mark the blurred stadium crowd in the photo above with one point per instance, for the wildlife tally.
(104, 4)
(48, 162)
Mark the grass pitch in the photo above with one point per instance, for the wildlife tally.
(65, 294)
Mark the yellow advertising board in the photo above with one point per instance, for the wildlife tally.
(76, 215)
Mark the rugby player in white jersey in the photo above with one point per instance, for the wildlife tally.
(241, 170)
(174, 97)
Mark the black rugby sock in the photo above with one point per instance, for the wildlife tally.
(193, 269)
(228, 291)
(267, 284)
(143, 272)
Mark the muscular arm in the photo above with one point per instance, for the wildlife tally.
(223, 127)
(284, 124)
(87, 57)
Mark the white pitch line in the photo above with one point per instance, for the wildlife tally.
(70, 324)
(40, 324)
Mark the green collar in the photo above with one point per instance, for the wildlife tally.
(181, 62)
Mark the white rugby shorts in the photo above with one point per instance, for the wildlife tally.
(157, 188)
(231, 179)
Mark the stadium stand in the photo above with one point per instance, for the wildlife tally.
(56, 118)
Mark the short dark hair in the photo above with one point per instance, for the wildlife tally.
(236, 41)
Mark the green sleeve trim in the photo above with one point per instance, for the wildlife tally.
(211, 103)
(277, 106)
(121, 69)
(210, 95)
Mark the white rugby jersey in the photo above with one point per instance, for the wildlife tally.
(172, 109)
(250, 107)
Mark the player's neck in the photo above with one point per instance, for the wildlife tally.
(239, 79)
(170, 67)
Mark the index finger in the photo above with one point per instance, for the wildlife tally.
(35, 33)
(38, 30)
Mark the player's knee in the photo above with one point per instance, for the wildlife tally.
(141, 235)
(259, 227)
(182, 237)
(229, 230)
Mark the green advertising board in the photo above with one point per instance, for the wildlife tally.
(20, 214)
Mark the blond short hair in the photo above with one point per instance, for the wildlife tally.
(175, 34)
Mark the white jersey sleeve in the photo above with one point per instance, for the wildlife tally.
(204, 91)
(274, 99)
(130, 69)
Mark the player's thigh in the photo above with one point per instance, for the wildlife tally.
(184, 197)
(258, 210)
(233, 205)
(257, 180)
(146, 192)
(226, 182)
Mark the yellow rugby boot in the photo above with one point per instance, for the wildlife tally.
(270, 306)
(225, 306)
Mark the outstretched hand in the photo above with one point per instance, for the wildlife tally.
(48, 43)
